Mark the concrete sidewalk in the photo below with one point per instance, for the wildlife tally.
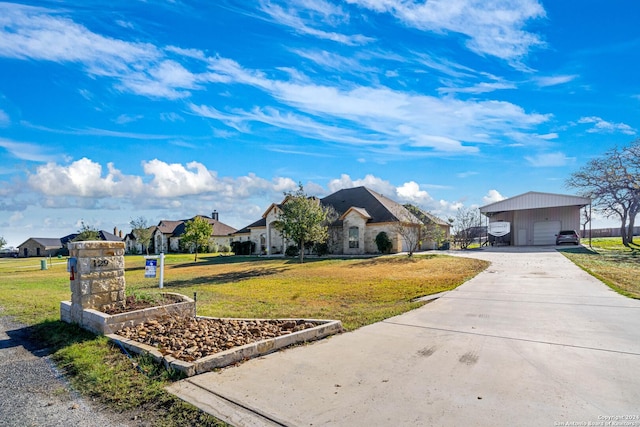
(533, 340)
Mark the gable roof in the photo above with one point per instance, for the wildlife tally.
(168, 226)
(366, 202)
(379, 207)
(46, 242)
(360, 211)
(534, 200)
(425, 216)
(177, 228)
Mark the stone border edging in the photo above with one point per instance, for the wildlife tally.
(233, 355)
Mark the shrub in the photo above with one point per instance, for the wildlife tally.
(292, 250)
(383, 242)
(321, 249)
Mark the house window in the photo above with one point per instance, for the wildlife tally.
(354, 237)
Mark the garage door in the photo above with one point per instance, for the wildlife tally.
(544, 232)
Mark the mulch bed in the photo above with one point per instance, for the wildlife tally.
(189, 339)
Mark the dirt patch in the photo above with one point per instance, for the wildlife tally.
(189, 339)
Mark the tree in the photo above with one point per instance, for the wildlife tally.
(410, 233)
(2, 242)
(303, 219)
(197, 233)
(613, 184)
(86, 232)
(141, 231)
(465, 227)
(430, 231)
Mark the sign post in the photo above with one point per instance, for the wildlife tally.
(151, 267)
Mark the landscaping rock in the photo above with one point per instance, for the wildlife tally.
(189, 339)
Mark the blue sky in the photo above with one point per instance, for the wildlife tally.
(111, 110)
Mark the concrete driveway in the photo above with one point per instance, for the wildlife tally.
(531, 341)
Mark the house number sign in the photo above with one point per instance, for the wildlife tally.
(100, 262)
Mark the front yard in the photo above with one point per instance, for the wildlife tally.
(356, 291)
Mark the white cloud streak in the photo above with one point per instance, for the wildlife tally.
(43, 34)
(345, 112)
(306, 17)
(394, 117)
(495, 27)
(549, 160)
(27, 151)
(555, 80)
(603, 126)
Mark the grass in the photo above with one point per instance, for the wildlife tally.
(610, 261)
(356, 291)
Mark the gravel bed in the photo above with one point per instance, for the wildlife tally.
(189, 339)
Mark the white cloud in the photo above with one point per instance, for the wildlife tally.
(38, 33)
(384, 115)
(83, 178)
(551, 135)
(27, 151)
(492, 196)
(410, 192)
(555, 80)
(603, 126)
(549, 160)
(305, 17)
(376, 184)
(466, 174)
(478, 88)
(44, 34)
(496, 28)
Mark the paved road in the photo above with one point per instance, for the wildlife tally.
(532, 341)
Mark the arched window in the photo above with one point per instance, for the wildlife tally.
(354, 237)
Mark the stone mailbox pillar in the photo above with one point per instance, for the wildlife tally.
(97, 281)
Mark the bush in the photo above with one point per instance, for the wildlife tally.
(292, 250)
(321, 249)
(383, 242)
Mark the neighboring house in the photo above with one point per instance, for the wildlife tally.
(131, 244)
(39, 246)
(536, 218)
(166, 237)
(362, 214)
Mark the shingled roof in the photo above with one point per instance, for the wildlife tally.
(380, 208)
(177, 228)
